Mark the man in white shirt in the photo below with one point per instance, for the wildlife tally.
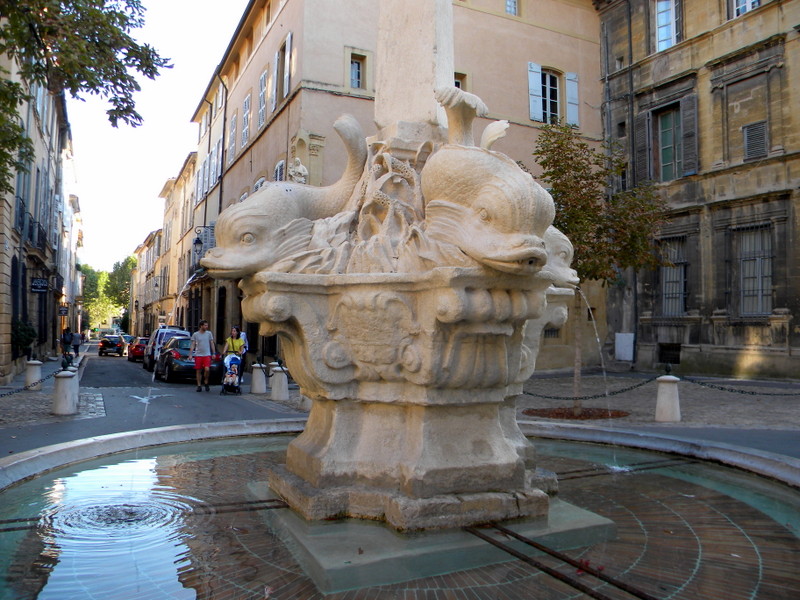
(201, 349)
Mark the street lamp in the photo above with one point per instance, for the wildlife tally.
(197, 244)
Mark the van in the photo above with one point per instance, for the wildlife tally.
(157, 340)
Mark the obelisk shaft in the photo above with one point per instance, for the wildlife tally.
(414, 57)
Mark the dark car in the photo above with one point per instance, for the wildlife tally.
(136, 348)
(174, 363)
(156, 342)
(112, 344)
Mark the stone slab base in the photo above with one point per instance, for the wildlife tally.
(349, 553)
(402, 512)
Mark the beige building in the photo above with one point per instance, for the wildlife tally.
(292, 67)
(40, 288)
(702, 96)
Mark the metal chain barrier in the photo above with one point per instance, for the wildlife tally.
(29, 386)
(595, 396)
(737, 391)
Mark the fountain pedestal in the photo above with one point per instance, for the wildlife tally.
(408, 376)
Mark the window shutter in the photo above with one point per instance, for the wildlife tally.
(641, 140)
(287, 65)
(535, 91)
(262, 98)
(755, 140)
(219, 157)
(273, 89)
(573, 102)
(689, 134)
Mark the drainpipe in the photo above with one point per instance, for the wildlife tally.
(632, 154)
(224, 145)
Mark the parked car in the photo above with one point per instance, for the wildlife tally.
(112, 344)
(174, 362)
(157, 340)
(136, 348)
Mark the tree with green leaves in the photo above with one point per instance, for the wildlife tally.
(75, 46)
(610, 230)
(100, 306)
(119, 281)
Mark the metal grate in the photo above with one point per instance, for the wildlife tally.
(669, 353)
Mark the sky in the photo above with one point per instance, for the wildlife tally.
(120, 172)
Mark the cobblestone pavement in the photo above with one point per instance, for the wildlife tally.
(740, 404)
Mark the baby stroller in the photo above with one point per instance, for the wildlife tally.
(233, 377)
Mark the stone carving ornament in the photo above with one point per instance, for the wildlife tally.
(401, 296)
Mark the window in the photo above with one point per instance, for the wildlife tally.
(357, 71)
(232, 140)
(754, 252)
(544, 95)
(673, 277)
(742, 6)
(279, 173)
(667, 24)
(755, 140)
(262, 99)
(283, 70)
(246, 121)
(670, 149)
(512, 7)
(460, 81)
(259, 183)
(665, 141)
(549, 97)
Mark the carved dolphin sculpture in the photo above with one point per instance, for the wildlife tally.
(484, 204)
(277, 220)
(559, 257)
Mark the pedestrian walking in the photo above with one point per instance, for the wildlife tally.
(201, 349)
(76, 341)
(66, 341)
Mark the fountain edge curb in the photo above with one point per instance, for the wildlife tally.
(25, 465)
(785, 469)
(31, 463)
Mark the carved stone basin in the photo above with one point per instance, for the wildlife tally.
(407, 375)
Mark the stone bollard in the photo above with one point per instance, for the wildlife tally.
(33, 373)
(668, 403)
(76, 381)
(258, 384)
(65, 394)
(280, 385)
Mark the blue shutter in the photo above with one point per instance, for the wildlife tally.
(535, 91)
(273, 88)
(287, 65)
(573, 101)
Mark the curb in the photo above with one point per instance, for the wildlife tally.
(785, 469)
(25, 465)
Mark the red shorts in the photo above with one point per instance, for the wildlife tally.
(202, 362)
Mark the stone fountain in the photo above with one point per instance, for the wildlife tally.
(409, 298)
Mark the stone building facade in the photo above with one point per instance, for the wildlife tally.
(292, 67)
(702, 96)
(40, 231)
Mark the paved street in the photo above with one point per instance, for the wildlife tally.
(117, 396)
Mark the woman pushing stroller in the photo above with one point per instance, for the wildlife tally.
(232, 359)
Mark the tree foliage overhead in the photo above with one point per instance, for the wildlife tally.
(75, 46)
(610, 231)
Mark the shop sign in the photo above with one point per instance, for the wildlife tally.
(63, 311)
(39, 285)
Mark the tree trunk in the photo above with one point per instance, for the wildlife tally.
(577, 405)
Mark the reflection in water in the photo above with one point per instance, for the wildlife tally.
(114, 528)
(186, 522)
